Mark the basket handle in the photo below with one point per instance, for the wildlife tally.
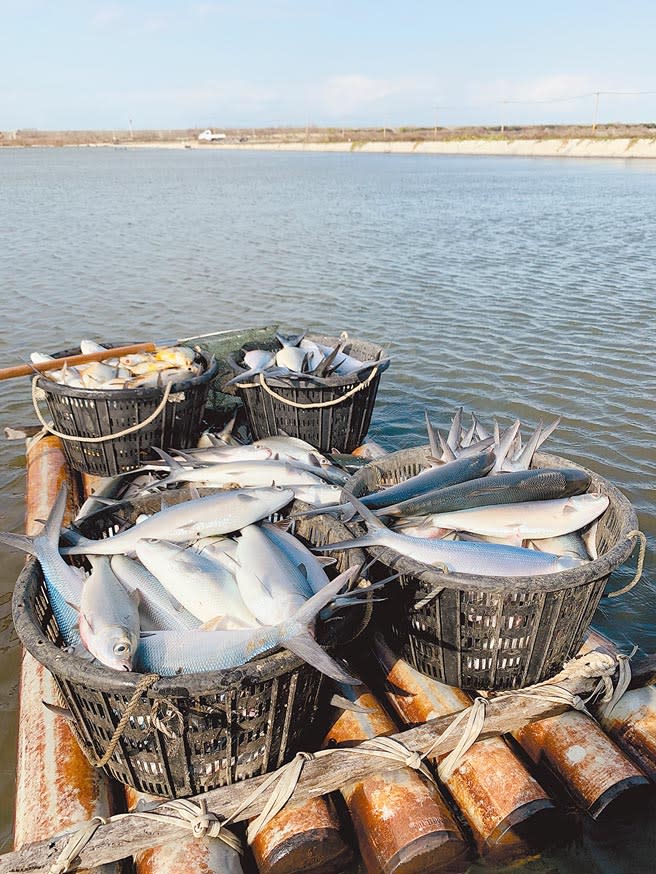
(320, 404)
(638, 535)
(130, 430)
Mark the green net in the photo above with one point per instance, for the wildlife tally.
(221, 345)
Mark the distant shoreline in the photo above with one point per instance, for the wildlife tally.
(561, 147)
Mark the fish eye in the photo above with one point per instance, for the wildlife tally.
(120, 648)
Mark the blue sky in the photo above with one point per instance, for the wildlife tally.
(168, 63)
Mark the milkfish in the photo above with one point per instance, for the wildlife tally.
(155, 605)
(109, 617)
(529, 520)
(244, 474)
(176, 652)
(457, 471)
(203, 586)
(504, 488)
(217, 513)
(63, 582)
(482, 559)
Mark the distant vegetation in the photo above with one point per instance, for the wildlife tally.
(324, 134)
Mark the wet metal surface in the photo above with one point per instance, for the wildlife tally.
(56, 786)
(584, 759)
(402, 822)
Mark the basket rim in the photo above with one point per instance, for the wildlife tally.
(308, 385)
(71, 668)
(154, 393)
(571, 578)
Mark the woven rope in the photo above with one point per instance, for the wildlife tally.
(641, 563)
(130, 430)
(145, 683)
(319, 405)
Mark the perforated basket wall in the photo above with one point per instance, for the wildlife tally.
(518, 632)
(342, 426)
(99, 412)
(194, 732)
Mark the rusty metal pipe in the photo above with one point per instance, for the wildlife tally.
(584, 759)
(306, 837)
(192, 856)
(632, 725)
(56, 787)
(493, 789)
(402, 823)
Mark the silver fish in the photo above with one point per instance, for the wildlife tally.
(174, 652)
(109, 617)
(482, 559)
(213, 514)
(204, 587)
(63, 582)
(155, 605)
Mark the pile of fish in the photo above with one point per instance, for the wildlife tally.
(300, 358)
(479, 508)
(202, 585)
(142, 370)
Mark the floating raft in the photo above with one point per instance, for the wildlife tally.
(500, 800)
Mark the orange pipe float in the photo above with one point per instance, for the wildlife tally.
(402, 823)
(503, 804)
(56, 787)
(306, 837)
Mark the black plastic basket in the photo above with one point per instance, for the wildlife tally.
(89, 413)
(194, 732)
(335, 416)
(502, 632)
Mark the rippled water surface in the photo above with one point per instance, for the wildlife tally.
(513, 287)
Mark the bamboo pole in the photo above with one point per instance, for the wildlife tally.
(124, 837)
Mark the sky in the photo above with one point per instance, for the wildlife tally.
(100, 64)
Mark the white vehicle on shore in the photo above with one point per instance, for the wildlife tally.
(208, 137)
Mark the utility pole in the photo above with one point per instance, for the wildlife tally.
(503, 115)
(596, 111)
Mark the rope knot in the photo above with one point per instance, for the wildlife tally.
(414, 761)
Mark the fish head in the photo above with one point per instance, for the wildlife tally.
(113, 645)
(118, 646)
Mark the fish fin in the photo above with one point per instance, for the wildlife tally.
(325, 560)
(447, 453)
(306, 647)
(468, 435)
(64, 712)
(481, 432)
(246, 499)
(193, 491)
(432, 440)
(453, 437)
(18, 541)
(170, 461)
(223, 623)
(135, 596)
(504, 444)
(546, 432)
(371, 520)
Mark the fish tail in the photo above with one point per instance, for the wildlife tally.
(56, 517)
(19, 541)
(306, 647)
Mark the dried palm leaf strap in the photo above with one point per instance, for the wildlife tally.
(48, 427)
(281, 784)
(641, 563)
(319, 405)
(145, 683)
